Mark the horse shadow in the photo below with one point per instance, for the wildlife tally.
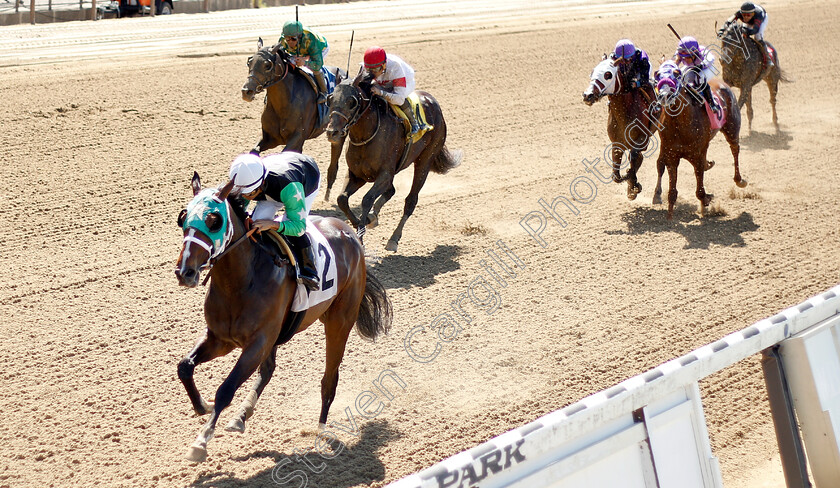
(757, 141)
(699, 232)
(354, 465)
(398, 271)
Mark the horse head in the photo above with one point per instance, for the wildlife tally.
(267, 66)
(731, 36)
(208, 229)
(603, 81)
(348, 102)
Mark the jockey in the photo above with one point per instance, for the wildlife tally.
(692, 55)
(393, 80)
(287, 180)
(667, 75)
(754, 18)
(308, 48)
(632, 63)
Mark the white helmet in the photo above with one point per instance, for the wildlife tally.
(247, 172)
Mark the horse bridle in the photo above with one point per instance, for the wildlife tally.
(276, 79)
(357, 114)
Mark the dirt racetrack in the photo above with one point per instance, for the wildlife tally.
(96, 160)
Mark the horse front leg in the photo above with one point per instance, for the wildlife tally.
(660, 169)
(343, 200)
(252, 356)
(246, 409)
(749, 110)
(617, 153)
(633, 186)
(332, 170)
(207, 348)
(383, 182)
(672, 185)
(699, 172)
(382, 200)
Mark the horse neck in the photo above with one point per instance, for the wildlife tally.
(686, 120)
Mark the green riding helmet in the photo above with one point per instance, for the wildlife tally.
(292, 28)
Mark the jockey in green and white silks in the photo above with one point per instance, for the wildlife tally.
(287, 181)
(308, 48)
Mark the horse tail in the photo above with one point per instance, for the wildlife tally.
(783, 76)
(446, 160)
(375, 312)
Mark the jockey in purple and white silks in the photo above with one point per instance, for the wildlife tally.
(667, 76)
(633, 65)
(692, 55)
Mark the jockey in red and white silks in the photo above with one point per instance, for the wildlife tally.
(393, 80)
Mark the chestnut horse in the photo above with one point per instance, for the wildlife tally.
(378, 150)
(685, 132)
(249, 300)
(743, 67)
(629, 124)
(290, 116)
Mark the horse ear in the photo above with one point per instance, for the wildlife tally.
(195, 184)
(259, 44)
(359, 76)
(225, 190)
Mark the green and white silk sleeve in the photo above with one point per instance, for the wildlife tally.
(294, 199)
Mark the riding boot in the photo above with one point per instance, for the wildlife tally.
(707, 94)
(768, 59)
(307, 270)
(409, 113)
(322, 86)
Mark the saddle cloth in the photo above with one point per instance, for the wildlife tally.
(714, 120)
(325, 266)
(329, 77)
(419, 114)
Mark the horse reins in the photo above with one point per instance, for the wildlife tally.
(355, 118)
(274, 80)
(212, 261)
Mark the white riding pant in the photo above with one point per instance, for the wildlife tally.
(759, 36)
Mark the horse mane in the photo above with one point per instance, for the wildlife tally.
(238, 204)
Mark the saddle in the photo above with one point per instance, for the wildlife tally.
(331, 80)
(419, 115)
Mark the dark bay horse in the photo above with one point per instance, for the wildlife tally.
(290, 116)
(629, 124)
(377, 147)
(685, 132)
(249, 298)
(743, 67)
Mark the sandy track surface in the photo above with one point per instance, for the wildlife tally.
(97, 153)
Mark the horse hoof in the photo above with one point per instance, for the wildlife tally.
(322, 427)
(633, 191)
(236, 425)
(741, 183)
(327, 196)
(197, 454)
(373, 221)
(391, 246)
(657, 200)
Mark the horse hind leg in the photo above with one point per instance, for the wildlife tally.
(246, 409)
(337, 328)
(672, 186)
(248, 362)
(421, 172)
(773, 85)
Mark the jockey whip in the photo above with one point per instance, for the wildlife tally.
(675, 32)
(296, 15)
(352, 33)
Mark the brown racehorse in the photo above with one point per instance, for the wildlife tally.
(290, 116)
(377, 147)
(629, 124)
(685, 133)
(248, 304)
(743, 67)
